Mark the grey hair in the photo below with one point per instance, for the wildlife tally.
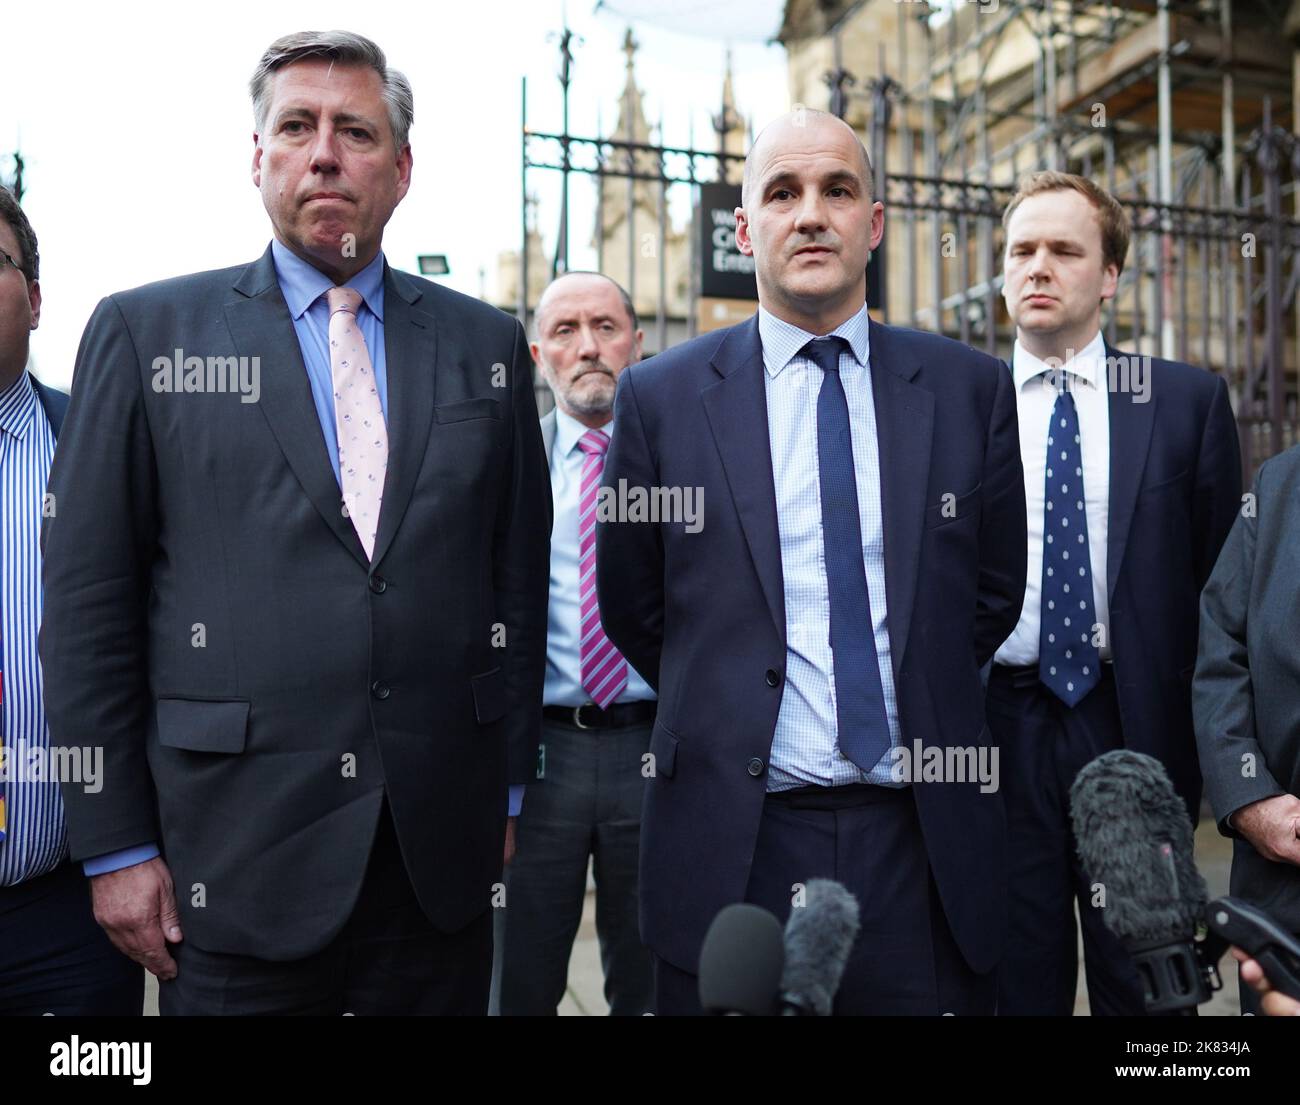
(345, 48)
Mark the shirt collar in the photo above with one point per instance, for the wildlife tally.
(303, 284)
(782, 340)
(568, 430)
(17, 406)
(1088, 364)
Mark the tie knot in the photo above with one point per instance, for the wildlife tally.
(825, 352)
(343, 299)
(594, 443)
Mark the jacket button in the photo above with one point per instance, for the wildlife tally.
(380, 690)
(772, 678)
(756, 767)
(378, 584)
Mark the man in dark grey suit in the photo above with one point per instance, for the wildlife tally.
(586, 804)
(296, 588)
(1243, 696)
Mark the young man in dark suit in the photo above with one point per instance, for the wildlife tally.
(816, 634)
(1132, 478)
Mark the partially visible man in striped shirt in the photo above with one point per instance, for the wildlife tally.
(54, 958)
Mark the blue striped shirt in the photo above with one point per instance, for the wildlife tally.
(805, 749)
(35, 840)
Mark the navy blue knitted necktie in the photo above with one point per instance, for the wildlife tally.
(863, 726)
(1068, 662)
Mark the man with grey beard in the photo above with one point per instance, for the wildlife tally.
(598, 711)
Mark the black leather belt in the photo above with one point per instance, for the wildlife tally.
(844, 796)
(591, 716)
(1026, 675)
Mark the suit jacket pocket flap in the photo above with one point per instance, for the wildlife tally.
(467, 408)
(490, 696)
(200, 726)
(663, 747)
(950, 509)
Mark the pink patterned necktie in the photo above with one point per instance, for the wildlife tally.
(604, 671)
(358, 416)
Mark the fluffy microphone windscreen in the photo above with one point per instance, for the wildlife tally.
(1135, 840)
(741, 961)
(818, 939)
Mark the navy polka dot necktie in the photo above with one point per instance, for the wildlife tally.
(1068, 661)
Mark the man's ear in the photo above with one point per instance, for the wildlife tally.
(743, 241)
(404, 162)
(257, 159)
(1110, 282)
(34, 297)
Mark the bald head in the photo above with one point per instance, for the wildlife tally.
(796, 127)
(808, 219)
(580, 281)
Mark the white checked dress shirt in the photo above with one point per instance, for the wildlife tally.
(805, 749)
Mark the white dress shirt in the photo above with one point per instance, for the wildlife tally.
(1036, 396)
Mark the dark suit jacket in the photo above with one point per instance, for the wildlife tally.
(548, 433)
(702, 615)
(54, 402)
(1245, 696)
(1175, 487)
(212, 621)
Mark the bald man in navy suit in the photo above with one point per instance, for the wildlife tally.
(816, 634)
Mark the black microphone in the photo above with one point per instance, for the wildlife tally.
(741, 962)
(1135, 839)
(818, 939)
(1256, 933)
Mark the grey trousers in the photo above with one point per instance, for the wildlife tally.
(587, 805)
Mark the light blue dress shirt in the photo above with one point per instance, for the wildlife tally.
(304, 289)
(805, 748)
(564, 618)
(35, 838)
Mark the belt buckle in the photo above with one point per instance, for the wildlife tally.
(577, 717)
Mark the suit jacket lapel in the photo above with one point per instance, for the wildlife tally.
(549, 425)
(261, 327)
(904, 429)
(736, 407)
(54, 403)
(411, 351)
(1130, 439)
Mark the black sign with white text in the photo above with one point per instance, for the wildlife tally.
(725, 272)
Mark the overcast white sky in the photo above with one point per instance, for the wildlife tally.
(136, 127)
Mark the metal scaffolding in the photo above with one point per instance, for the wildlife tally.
(1182, 109)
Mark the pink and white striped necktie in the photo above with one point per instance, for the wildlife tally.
(604, 671)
